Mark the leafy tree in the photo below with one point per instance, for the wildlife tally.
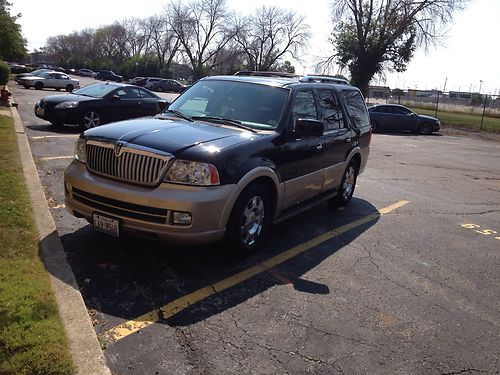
(12, 43)
(286, 67)
(371, 36)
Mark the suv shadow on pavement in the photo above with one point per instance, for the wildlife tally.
(125, 278)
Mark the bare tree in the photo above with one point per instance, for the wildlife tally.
(373, 35)
(270, 34)
(161, 40)
(201, 27)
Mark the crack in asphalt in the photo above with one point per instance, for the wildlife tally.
(464, 371)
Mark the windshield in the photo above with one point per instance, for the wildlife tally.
(254, 105)
(96, 90)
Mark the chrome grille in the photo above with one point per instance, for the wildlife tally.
(131, 163)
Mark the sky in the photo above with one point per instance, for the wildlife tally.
(467, 59)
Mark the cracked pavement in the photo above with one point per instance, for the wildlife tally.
(413, 292)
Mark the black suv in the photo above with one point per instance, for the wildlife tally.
(108, 75)
(230, 156)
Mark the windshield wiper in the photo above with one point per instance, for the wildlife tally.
(179, 114)
(222, 120)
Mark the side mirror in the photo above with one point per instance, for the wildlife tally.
(309, 128)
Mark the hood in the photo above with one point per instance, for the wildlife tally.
(428, 118)
(68, 98)
(172, 136)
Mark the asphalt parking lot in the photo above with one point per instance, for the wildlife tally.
(404, 280)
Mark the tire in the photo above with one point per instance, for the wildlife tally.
(249, 221)
(91, 119)
(26, 87)
(347, 186)
(70, 88)
(373, 124)
(159, 89)
(39, 86)
(425, 128)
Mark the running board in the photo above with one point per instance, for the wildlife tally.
(292, 211)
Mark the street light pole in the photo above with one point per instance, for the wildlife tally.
(480, 85)
(136, 63)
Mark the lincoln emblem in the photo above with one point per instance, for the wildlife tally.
(118, 148)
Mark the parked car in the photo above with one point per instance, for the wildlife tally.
(33, 73)
(53, 80)
(150, 81)
(18, 68)
(137, 81)
(229, 156)
(96, 104)
(168, 85)
(395, 117)
(87, 73)
(108, 75)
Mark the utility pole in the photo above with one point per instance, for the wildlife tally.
(480, 85)
(445, 81)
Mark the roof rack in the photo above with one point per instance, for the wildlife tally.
(265, 74)
(323, 79)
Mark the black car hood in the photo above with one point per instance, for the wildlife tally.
(172, 136)
(68, 98)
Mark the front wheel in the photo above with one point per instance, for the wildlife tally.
(347, 185)
(373, 124)
(91, 119)
(249, 220)
(425, 128)
(39, 86)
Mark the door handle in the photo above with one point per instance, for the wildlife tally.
(348, 140)
(319, 147)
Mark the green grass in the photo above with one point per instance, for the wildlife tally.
(462, 120)
(32, 337)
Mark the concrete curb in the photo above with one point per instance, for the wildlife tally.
(84, 346)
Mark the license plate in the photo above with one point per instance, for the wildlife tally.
(39, 111)
(106, 225)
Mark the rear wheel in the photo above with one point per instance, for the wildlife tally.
(39, 86)
(70, 88)
(91, 119)
(249, 220)
(159, 88)
(347, 186)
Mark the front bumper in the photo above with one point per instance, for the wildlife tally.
(146, 211)
(54, 115)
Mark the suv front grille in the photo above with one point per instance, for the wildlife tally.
(130, 164)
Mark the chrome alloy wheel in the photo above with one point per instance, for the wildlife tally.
(91, 119)
(252, 220)
(349, 181)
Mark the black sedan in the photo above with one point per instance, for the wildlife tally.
(99, 103)
(394, 117)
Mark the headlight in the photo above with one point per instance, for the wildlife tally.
(80, 152)
(192, 173)
(65, 105)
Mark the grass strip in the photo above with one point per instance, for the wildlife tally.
(491, 124)
(32, 337)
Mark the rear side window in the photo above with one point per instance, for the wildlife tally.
(332, 114)
(356, 108)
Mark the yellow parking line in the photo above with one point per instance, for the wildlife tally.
(56, 157)
(172, 308)
(55, 136)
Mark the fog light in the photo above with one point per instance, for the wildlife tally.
(182, 218)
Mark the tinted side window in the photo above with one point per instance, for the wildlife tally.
(332, 114)
(144, 94)
(401, 111)
(356, 108)
(304, 106)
